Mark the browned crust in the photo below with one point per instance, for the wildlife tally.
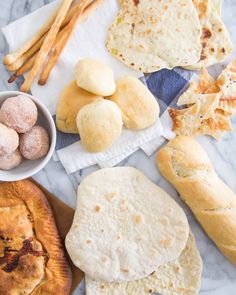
(58, 273)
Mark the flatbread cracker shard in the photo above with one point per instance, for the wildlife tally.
(114, 234)
(216, 43)
(179, 277)
(206, 85)
(201, 118)
(227, 84)
(216, 125)
(149, 35)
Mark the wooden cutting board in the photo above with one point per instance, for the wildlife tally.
(63, 215)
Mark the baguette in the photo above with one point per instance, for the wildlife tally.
(185, 164)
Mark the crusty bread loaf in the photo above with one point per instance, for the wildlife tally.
(186, 165)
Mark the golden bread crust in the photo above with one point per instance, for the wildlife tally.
(185, 164)
(32, 258)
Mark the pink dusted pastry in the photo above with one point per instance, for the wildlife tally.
(35, 143)
(19, 113)
(10, 161)
(9, 140)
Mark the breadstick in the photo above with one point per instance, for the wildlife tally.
(36, 46)
(47, 45)
(22, 59)
(79, 16)
(25, 68)
(21, 67)
(11, 58)
(19, 61)
(20, 70)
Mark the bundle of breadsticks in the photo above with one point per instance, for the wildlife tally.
(41, 52)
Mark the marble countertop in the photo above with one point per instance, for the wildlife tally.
(219, 276)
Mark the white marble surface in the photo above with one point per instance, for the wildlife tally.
(219, 276)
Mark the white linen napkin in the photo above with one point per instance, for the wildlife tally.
(75, 157)
(88, 40)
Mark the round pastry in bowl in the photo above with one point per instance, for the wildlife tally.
(19, 112)
(22, 115)
(34, 144)
(10, 161)
(9, 140)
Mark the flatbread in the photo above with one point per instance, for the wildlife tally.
(124, 226)
(203, 117)
(218, 6)
(227, 84)
(179, 277)
(149, 35)
(206, 86)
(216, 125)
(216, 43)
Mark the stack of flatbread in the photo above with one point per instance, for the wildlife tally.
(210, 105)
(150, 35)
(130, 237)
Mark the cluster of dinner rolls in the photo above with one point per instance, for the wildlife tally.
(19, 136)
(95, 106)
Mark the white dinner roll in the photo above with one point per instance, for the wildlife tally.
(95, 77)
(99, 124)
(139, 107)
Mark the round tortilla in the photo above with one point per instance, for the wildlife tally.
(124, 226)
(179, 277)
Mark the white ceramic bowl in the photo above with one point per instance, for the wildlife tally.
(28, 168)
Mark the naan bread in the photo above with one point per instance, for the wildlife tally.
(179, 277)
(218, 5)
(124, 226)
(216, 43)
(149, 35)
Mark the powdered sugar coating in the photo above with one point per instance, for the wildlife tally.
(10, 161)
(9, 140)
(35, 143)
(19, 113)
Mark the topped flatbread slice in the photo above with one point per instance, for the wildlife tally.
(149, 35)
